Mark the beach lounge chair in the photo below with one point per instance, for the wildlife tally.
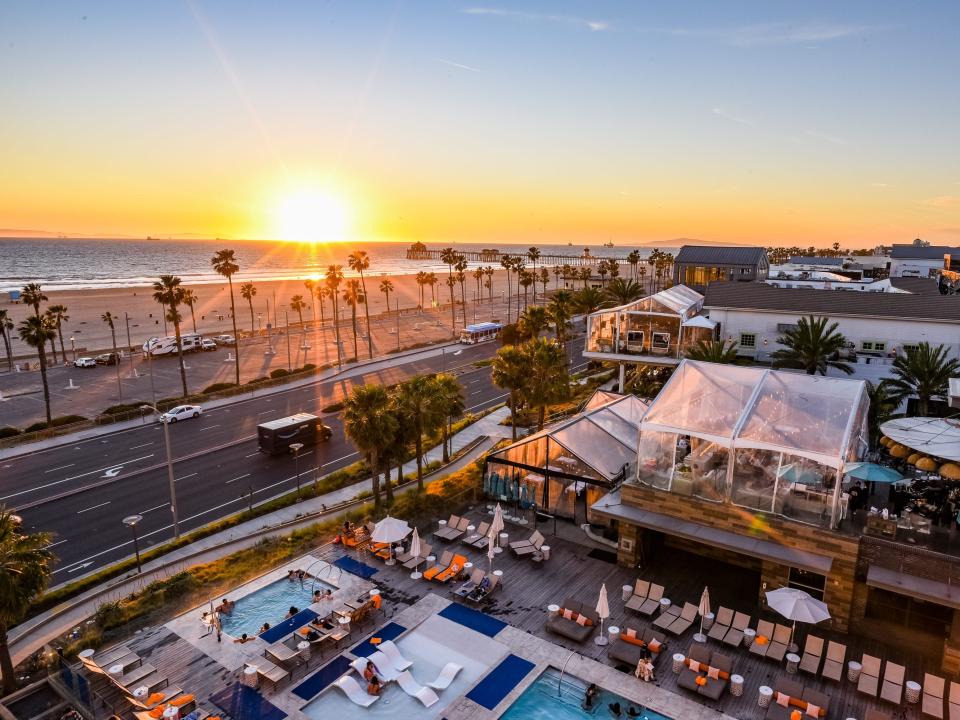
(933, 696)
(641, 588)
(665, 618)
(351, 688)
(478, 597)
(812, 652)
(119, 654)
(385, 667)
(390, 649)
(453, 570)
(877, 715)
(481, 531)
(892, 688)
(453, 531)
(535, 537)
(154, 699)
(136, 675)
(530, 550)
(652, 603)
(283, 655)
(425, 552)
(779, 643)
(414, 689)
(470, 585)
(869, 675)
(721, 625)
(761, 643)
(684, 620)
(273, 674)
(954, 700)
(446, 676)
(834, 662)
(734, 636)
(444, 563)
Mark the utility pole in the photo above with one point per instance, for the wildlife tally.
(286, 322)
(126, 319)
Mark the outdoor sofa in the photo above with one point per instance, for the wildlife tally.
(575, 620)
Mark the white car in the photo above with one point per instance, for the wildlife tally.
(181, 412)
(85, 362)
(208, 345)
(225, 340)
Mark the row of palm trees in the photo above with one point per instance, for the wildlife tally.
(385, 424)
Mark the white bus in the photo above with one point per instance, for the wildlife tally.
(481, 332)
(167, 345)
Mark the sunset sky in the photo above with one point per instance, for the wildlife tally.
(759, 122)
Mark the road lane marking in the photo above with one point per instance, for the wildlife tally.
(137, 447)
(237, 478)
(185, 477)
(58, 542)
(144, 512)
(94, 507)
(475, 392)
(80, 567)
(62, 467)
(487, 402)
(209, 427)
(354, 454)
(252, 454)
(75, 477)
(265, 412)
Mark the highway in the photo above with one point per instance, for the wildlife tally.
(81, 491)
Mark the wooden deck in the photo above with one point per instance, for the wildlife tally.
(572, 572)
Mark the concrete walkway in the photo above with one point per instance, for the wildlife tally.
(33, 634)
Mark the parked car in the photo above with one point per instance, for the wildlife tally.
(181, 412)
(225, 340)
(207, 345)
(109, 358)
(85, 362)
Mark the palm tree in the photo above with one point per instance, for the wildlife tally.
(882, 407)
(634, 259)
(547, 380)
(462, 279)
(322, 293)
(421, 281)
(449, 256)
(25, 560)
(526, 280)
(559, 311)
(715, 351)
(168, 292)
(448, 395)
(369, 424)
(544, 280)
(509, 371)
(110, 319)
(58, 313)
(557, 272)
(353, 296)
(533, 254)
(602, 270)
(298, 305)
(642, 272)
(386, 287)
(310, 285)
(6, 327)
(812, 346)
(333, 278)
(432, 281)
(506, 262)
(621, 291)
(190, 300)
(36, 331)
(586, 273)
(225, 263)
(924, 371)
(478, 276)
(33, 295)
(415, 399)
(50, 318)
(533, 320)
(360, 261)
(248, 291)
(488, 283)
(588, 300)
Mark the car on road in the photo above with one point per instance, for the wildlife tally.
(85, 362)
(225, 340)
(181, 412)
(109, 358)
(207, 345)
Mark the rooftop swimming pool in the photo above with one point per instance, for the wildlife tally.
(270, 604)
(550, 698)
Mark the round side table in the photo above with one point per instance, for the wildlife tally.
(627, 592)
(171, 713)
(664, 604)
(853, 671)
(736, 685)
(304, 647)
(612, 632)
(912, 692)
(87, 654)
(793, 661)
(678, 659)
(116, 669)
(764, 696)
(249, 677)
(141, 692)
(553, 609)
(498, 573)
(748, 636)
(504, 539)
(545, 551)
(708, 621)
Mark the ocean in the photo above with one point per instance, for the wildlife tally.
(73, 264)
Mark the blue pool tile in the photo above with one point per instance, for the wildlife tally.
(243, 703)
(390, 631)
(355, 567)
(322, 678)
(281, 630)
(473, 619)
(498, 683)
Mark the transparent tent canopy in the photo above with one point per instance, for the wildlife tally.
(581, 456)
(770, 440)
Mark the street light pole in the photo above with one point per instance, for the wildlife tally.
(131, 522)
(286, 323)
(126, 319)
(73, 347)
(173, 487)
(295, 448)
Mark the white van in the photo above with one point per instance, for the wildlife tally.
(167, 345)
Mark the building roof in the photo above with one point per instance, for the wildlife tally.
(810, 260)
(763, 297)
(916, 252)
(711, 255)
(915, 285)
(678, 299)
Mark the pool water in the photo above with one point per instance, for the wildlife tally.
(270, 604)
(549, 698)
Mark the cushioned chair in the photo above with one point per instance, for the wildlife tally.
(833, 664)
(444, 563)
(684, 620)
(741, 621)
(933, 696)
(761, 643)
(892, 688)
(665, 618)
(570, 627)
(721, 624)
(778, 645)
(641, 588)
(652, 603)
(869, 675)
(812, 652)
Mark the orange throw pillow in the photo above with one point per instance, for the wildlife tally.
(155, 698)
(157, 712)
(634, 640)
(761, 640)
(182, 700)
(654, 645)
(795, 715)
(701, 680)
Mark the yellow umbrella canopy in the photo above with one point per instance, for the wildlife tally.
(912, 460)
(951, 471)
(885, 441)
(928, 464)
(900, 451)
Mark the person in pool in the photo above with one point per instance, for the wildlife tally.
(633, 712)
(590, 696)
(291, 612)
(242, 639)
(265, 627)
(225, 606)
(615, 709)
(374, 687)
(370, 671)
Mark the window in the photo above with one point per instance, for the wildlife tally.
(748, 340)
(661, 341)
(909, 348)
(635, 339)
(811, 583)
(873, 346)
(908, 612)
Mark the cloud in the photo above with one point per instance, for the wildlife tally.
(832, 139)
(879, 184)
(943, 201)
(727, 115)
(772, 33)
(589, 24)
(451, 63)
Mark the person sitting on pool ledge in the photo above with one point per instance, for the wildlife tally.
(590, 695)
(266, 626)
(370, 671)
(374, 687)
(291, 612)
(243, 639)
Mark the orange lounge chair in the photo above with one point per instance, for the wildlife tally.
(454, 569)
(444, 563)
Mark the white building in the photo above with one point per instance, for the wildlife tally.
(919, 260)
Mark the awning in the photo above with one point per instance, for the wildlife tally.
(939, 437)
(611, 506)
(913, 586)
(699, 321)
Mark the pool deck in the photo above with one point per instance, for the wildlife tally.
(191, 661)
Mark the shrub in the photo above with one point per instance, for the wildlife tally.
(258, 380)
(279, 373)
(109, 615)
(56, 422)
(217, 387)
(309, 366)
(121, 408)
(8, 431)
(335, 407)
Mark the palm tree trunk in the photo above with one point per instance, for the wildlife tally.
(366, 314)
(6, 663)
(353, 315)
(542, 417)
(53, 349)
(233, 320)
(508, 296)
(513, 415)
(419, 452)
(336, 327)
(453, 307)
(193, 320)
(463, 297)
(46, 400)
(375, 480)
(6, 345)
(183, 369)
(387, 486)
(253, 328)
(63, 352)
(443, 430)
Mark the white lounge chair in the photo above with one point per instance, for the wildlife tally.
(351, 688)
(411, 687)
(390, 649)
(446, 676)
(385, 668)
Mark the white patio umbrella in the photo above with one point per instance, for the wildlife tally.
(798, 606)
(390, 530)
(415, 552)
(703, 609)
(603, 610)
(496, 526)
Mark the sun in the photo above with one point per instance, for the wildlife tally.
(313, 216)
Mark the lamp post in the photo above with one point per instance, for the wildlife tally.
(295, 448)
(173, 487)
(73, 347)
(131, 522)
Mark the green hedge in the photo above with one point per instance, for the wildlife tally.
(8, 431)
(56, 422)
(218, 387)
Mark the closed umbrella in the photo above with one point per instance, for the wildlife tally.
(798, 606)
(390, 530)
(928, 464)
(415, 552)
(871, 472)
(491, 548)
(703, 609)
(603, 612)
(496, 527)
